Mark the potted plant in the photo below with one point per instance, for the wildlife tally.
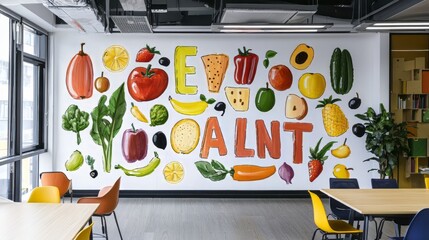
(386, 139)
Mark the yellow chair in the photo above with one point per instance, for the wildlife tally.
(46, 194)
(427, 181)
(329, 227)
(85, 233)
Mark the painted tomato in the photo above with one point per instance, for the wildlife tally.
(312, 85)
(147, 84)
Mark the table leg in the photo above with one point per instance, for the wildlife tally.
(351, 220)
(90, 235)
(366, 227)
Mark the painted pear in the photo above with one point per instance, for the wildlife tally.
(342, 151)
(341, 171)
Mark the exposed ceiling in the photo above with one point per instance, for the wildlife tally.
(200, 15)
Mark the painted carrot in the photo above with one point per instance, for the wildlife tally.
(215, 171)
(251, 172)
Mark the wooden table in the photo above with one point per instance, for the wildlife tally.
(381, 202)
(43, 221)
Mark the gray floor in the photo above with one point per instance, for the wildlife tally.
(206, 219)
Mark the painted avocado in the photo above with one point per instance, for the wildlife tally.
(302, 56)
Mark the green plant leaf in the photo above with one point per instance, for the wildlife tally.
(266, 62)
(270, 54)
(217, 165)
(207, 170)
(211, 101)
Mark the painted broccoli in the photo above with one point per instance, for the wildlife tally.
(75, 120)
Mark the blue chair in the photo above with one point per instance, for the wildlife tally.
(400, 220)
(418, 229)
(339, 210)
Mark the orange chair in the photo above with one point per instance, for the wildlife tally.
(46, 194)
(108, 198)
(59, 180)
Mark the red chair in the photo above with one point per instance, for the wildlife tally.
(108, 198)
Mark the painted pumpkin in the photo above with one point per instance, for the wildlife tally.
(80, 75)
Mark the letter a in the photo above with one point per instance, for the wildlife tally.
(212, 126)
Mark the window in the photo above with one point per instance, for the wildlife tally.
(30, 103)
(4, 85)
(23, 98)
(29, 176)
(5, 181)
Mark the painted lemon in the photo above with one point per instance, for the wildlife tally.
(173, 172)
(185, 136)
(312, 85)
(115, 58)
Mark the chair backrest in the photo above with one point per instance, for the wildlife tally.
(109, 197)
(340, 210)
(85, 233)
(384, 183)
(319, 213)
(46, 194)
(57, 179)
(418, 229)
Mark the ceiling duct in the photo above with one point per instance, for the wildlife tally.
(136, 23)
(267, 13)
(132, 24)
(77, 13)
(133, 5)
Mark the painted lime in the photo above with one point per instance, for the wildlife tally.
(312, 85)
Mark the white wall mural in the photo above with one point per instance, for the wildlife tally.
(212, 112)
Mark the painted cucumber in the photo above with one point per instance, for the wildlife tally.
(341, 70)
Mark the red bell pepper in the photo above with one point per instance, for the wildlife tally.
(245, 66)
(134, 144)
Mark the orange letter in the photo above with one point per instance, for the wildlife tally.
(264, 141)
(297, 129)
(240, 139)
(212, 125)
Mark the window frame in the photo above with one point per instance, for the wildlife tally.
(15, 151)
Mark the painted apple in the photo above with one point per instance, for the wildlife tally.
(134, 144)
(145, 84)
(265, 99)
(296, 107)
(280, 77)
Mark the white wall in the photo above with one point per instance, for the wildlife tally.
(367, 51)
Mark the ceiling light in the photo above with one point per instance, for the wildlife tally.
(401, 24)
(398, 28)
(283, 26)
(392, 26)
(269, 27)
(267, 30)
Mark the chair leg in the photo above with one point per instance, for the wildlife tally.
(117, 225)
(398, 230)
(105, 228)
(314, 234)
(102, 224)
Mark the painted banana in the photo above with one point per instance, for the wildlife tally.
(191, 108)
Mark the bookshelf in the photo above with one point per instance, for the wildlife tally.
(409, 102)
